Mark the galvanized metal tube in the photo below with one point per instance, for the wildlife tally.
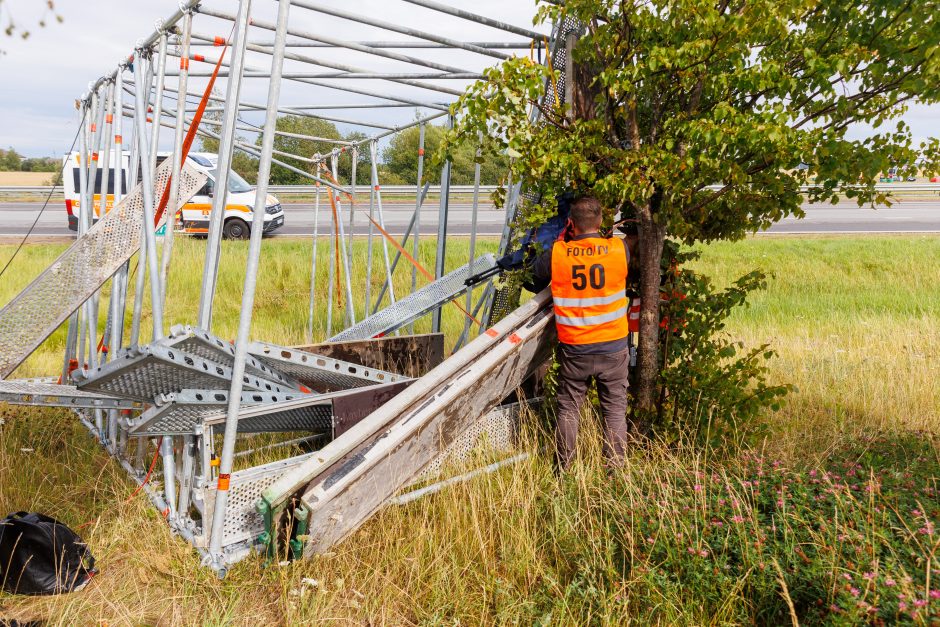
(413, 45)
(473, 234)
(344, 254)
(187, 472)
(361, 19)
(378, 198)
(313, 262)
(177, 164)
(158, 102)
(440, 257)
(92, 303)
(148, 226)
(82, 221)
(248, 293)
(354, 155)
(340, 43)
(140, 154)
(415, 251)
(405, 80)
(479, 19)
(371, 232)
(332, 272)
(226, 142)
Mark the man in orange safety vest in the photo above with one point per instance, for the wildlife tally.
(588, 274)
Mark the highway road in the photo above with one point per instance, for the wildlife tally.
(911, 216)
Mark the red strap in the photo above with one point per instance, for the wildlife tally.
(190, 137)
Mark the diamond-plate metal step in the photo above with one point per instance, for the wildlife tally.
(53, 395)
(37, 311)
(178, 413)
(199, 342)
(322, 374)
(416, 304)
(145, 372)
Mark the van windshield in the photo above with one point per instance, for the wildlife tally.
(236, 184)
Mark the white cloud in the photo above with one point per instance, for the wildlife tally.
(43, 75)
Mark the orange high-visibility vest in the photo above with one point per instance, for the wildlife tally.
(589, 278)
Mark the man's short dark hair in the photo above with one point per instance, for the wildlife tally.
(586, 213)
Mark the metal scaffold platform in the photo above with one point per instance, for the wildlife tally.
(252, 433)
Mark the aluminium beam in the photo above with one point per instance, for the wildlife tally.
(415, 45)
(389, 76)
(251, 272)
(479, 19)
(54, 395)
(404, 30)
(332, 64)
(350, 45)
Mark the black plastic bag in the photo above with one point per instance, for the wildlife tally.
(40, 555)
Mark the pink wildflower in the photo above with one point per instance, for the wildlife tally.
(935, 594)
(902, 606)
(737, 519)
(855, 591)
(698, 487)
(890, 582)
(703, 553)
(868, 576)
(920, 602)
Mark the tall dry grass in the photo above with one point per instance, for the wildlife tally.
(854, 321)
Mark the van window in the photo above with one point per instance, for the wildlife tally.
(236, 184)
(207, 189)
(76, 175)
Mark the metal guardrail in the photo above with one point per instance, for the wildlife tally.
(455, 189)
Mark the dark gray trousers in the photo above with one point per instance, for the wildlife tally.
(574, 376)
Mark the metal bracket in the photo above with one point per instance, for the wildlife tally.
(323, 374)
(54, 395)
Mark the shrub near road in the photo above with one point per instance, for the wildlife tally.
(830, 516)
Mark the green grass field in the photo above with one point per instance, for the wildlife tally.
(829, 520)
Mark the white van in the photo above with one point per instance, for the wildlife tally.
(193, 219)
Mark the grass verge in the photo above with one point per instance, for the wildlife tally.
(830, 520)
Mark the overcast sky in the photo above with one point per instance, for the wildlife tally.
(42, 76)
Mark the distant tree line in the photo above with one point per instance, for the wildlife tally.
(12, 161)
(397, 162)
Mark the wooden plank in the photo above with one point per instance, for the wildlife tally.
(347, 493)
(409, 355)
(294, 482)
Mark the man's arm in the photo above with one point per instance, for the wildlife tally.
(542, 270)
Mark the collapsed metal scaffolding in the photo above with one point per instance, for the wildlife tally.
(176, 391)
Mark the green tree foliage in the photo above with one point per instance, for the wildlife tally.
(691, 116)
(41, 164)
(10, 160)
(401, 160)
(308, 148)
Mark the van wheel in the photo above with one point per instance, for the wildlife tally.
(236, 228)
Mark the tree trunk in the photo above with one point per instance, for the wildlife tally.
(652, 237)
